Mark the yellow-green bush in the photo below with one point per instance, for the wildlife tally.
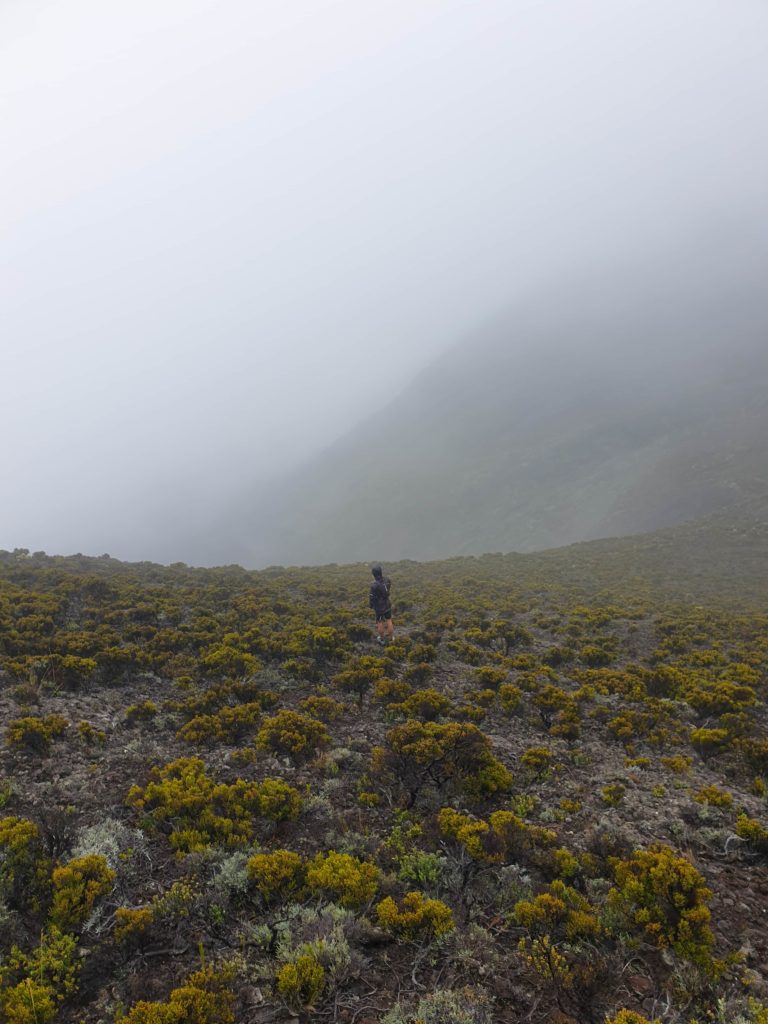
(358, 678)
(714, 796)
(561, 912)
(325, 708)
(277, 801)
(24, 868)
(90, 734)
(288, 732)
(420, 754)
(753, 831)
(417, 917)
(132, 923)
(664, 895)
(200, 812)
(343, 877)
(225, 726)
(35, 734)
(510, 698)
(33, 984)
(76, 888)
(205, 997)
(301, 982)
(28, 1002)
(426, 705)
(137, 713)
(277, 874)
(709, 742)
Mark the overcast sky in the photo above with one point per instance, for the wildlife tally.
(230, 229)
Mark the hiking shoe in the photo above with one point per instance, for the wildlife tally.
(380, 641)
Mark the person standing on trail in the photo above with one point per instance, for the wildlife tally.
(378, 600)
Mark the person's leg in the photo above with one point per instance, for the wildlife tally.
(380, 627)
(390, 630)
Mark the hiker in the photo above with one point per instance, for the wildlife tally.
(379, 601)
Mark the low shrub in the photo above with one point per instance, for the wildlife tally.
(276, 875)
(416, 918)
(76, 888)
(206, 997)
(666, 897)
(35, 734)
(343, 877)
(289, 732)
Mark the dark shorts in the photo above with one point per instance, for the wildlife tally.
(384, 616)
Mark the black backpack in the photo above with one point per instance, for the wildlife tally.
(380, 593)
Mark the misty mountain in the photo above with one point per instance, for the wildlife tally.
(585, 412)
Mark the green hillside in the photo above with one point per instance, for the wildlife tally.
(560, 423)
(221, 801)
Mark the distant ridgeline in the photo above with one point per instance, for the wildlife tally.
(717, 559)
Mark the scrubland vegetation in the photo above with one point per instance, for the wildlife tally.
(546, 801)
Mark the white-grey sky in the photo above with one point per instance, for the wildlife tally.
(228, 229)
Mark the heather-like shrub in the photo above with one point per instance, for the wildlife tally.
(358, 678)
(666, 897)
(416, 918)
(428, 754)
(288, 732)
(561, 912)
(714, 796)
(426, 705)
(301, 982)
(325, 708)
(510, 698)
(33, 984)
(342, 877)
(201, 812)
(76, 888)
(139, 713)
(90, 735)
(709, 742)
(538, 761)
(23, 866)
(753, 831)
(276, 875)
(205, 997)
(35, 734)
(226, 725)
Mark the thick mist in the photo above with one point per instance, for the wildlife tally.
(228, 234)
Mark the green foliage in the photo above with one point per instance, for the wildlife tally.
(35, 734)
(416, 918)
(139, 713)
(206, 997)
(665, 896)
(301, 982)
(278, 874)
(199, 811)
(428, 754)
(358, 678)
(33, 984)
(226, 725)
(289, 732)
(342, 877)
(76, 888)
(325, 708)
(426, 705)
(753, 831)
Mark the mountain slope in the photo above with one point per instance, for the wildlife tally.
(587, 413)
